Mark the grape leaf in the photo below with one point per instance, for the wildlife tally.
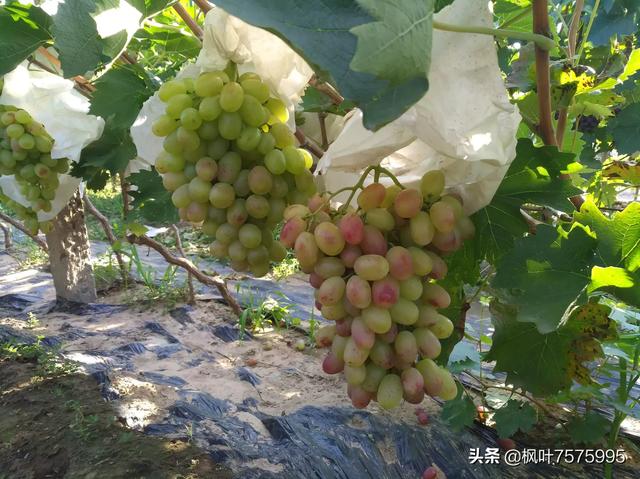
(618, 237)
(610, 276)
(23, 28)
(315, 101)
(545, 265)
(440, 4)
(545, 364)
(536, 362)
(459, 412)
(118, 98)
(150, 7)
(400, 42)
(120, 94)
(321, 33)
(150, 199)
(589, 324)
(464, 356)
(464, 268)
(109, 153)
(589, 429)
(615, 18)
(531, 178)
(625, 129)
(76, 37)
(513, 417)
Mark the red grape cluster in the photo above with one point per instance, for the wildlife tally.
(231, 164)
(375, 271)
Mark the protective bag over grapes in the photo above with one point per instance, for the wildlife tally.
(224, 143)
(46, 125)
(464, 126)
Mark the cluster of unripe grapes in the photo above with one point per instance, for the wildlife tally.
(375, 271)
(25, 152)
(231, 164)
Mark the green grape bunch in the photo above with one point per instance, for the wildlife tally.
(375, 270)
(25, 153)
(232, 164)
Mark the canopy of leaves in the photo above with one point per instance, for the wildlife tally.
(322, 33)
(72, 30)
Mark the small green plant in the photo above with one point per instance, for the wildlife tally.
(83, 425)
(163, 289)
(286, 267)
(189, 430)
(107, 271)
(32, 321)
(49, 361)
(313, 327)
(262, 312)
(31, 255)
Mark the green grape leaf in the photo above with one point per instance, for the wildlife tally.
(109, 153)
(459, 412)
(531, 178)
(464, 268)
(464, 356)
(315, 101)
(616, 18)
(589, 429)
(618, 237)
(545, 364)
(588, 108)
(440, 4)
(321, 33)
(610, 276)
(515, 12)
(150, 7)
(625, 129)
(170, 40)
(513, 417)
(23, 28)
(150, 199)
(76, 37)
(405, 27)
(546, 265)
(536, 362)
(120, 94)
(137, 229)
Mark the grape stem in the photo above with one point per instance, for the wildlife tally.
(541, 41)
(356, 187)
(377, 169)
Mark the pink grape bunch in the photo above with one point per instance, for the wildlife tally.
(231, 163)
(375, 271)
(25, 153)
